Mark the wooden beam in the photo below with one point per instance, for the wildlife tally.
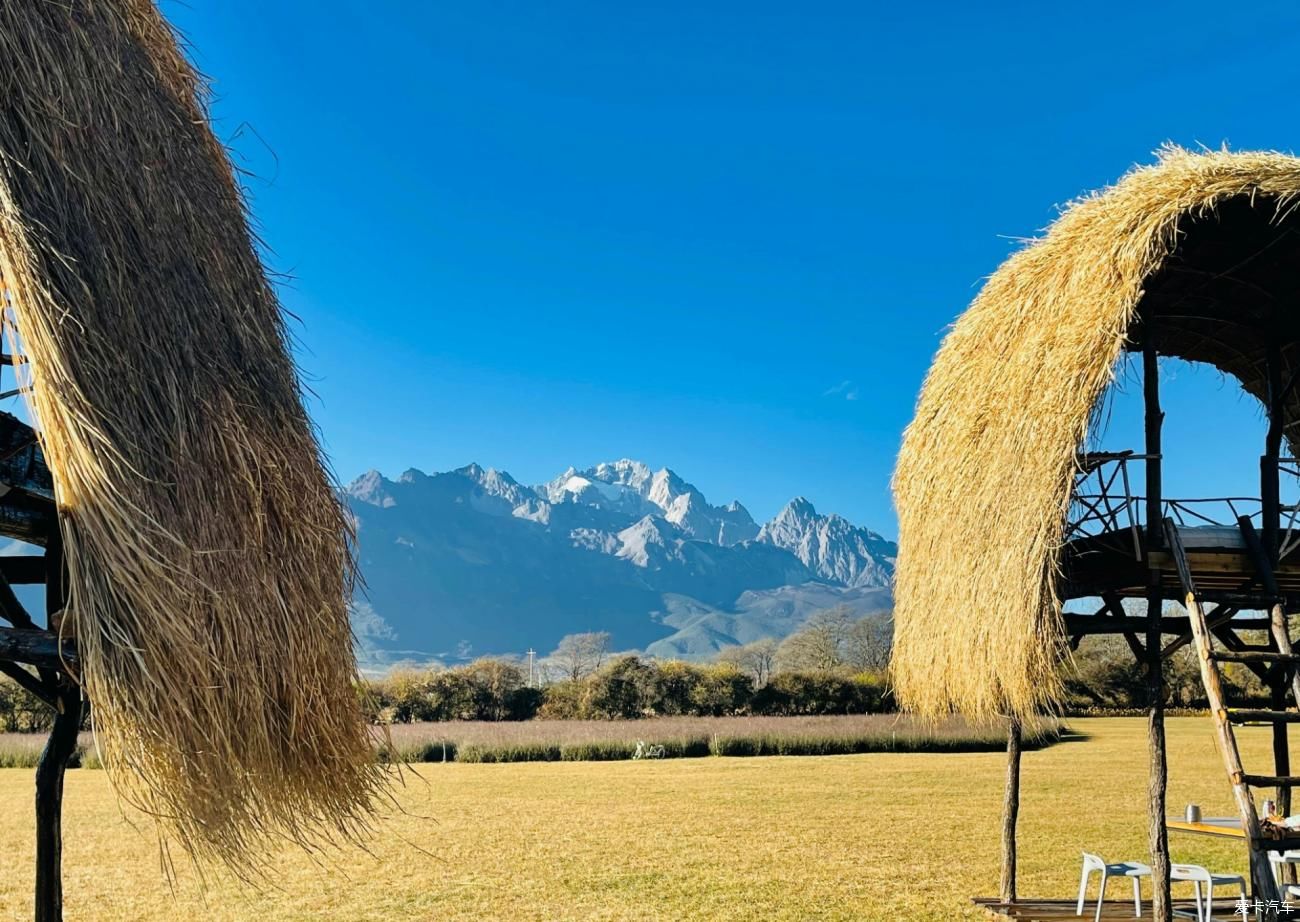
(1114, 608)
(1221, 615)
(23, 570)
(30, 682)
(1011, 811)
(1090, 624)
(37, 648)
(1229, 639)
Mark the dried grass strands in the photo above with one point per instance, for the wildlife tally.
(207, 550)
(986, 469)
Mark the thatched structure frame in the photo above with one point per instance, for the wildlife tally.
(984, 476)
(1192, 257)
(208, 561)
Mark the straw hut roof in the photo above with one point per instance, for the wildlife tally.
(1207, 245)
(208, 554)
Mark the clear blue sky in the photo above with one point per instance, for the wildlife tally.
(721, 237)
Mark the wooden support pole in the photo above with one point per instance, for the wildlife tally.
(1011, 811)
(1158, 774)
(1269, 488)
(1154, 420)
(1281, 748)
(59, 748)
(49, 805)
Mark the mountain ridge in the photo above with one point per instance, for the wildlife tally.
(471, 561)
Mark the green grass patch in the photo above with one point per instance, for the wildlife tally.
(517, 752)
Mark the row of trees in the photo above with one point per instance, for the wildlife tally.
(834, 664)
(625, 686)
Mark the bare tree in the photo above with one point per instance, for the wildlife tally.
(580, 654)
(819, 644)
(758, 659)
(867, 642)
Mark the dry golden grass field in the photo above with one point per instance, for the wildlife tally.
(888, 837)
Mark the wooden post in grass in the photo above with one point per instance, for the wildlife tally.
(1158, 774)
(1158, 834)
(1011, 811)
(49, 804)
(60, 746)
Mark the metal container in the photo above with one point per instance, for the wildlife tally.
(1193, 813)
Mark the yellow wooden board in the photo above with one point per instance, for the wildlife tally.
(1210, 826)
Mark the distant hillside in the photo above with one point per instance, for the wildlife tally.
(470, 561)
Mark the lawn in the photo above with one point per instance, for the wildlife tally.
(879, 836)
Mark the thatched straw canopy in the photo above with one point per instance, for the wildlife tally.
(1207, 244)
(208, 555)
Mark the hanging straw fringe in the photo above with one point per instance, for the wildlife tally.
(208, 553)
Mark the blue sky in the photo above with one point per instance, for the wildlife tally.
(721, 237)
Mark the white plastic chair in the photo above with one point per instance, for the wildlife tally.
(1279, 860)
(1131, 869)
(1199, 877)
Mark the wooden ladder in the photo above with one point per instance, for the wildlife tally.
(1282, 658)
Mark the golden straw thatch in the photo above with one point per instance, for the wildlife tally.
(208, 553)
(985, 474)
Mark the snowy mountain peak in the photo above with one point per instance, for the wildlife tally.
(800, 508)
(412, 475)
(831, 546)
(371, 488)
(624, 472)
(497, 483)
(650, 542)
(666, 486)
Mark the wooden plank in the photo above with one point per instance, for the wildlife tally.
(1258, 715)
(1118, 907)
(1254, 656)
(1208, 829)
(1265, 781)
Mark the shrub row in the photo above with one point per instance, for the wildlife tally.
(768, 744)
(763, 744)
(627, 687)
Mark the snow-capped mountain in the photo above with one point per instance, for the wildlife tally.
(471, 561)
(831, 546)
(630, 486)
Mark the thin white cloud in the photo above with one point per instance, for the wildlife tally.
(845, 390)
